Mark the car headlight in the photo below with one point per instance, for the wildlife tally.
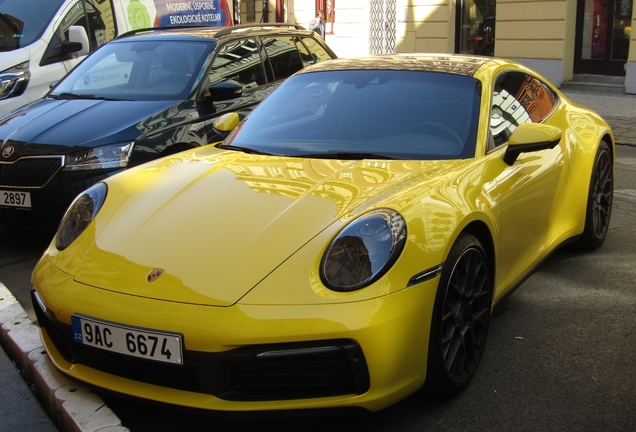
(80, 214)
(13, 81)
(108, 156)
(363, 251)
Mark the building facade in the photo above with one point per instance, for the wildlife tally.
(559, 38)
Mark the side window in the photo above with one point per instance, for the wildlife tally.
(238, 61)
(97, 20)
(305, 55)
(283, 56)
(518, 98)
(54, 52)
(100, 21)
(316, 50)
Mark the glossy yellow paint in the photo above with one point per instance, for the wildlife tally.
(225, 286)
(393, 329)
(532, 133)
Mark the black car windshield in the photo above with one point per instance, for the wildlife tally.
(137, 70)
(367, 114)
(23, 22)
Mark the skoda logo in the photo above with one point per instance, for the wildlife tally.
(7, 152)
(154, 275)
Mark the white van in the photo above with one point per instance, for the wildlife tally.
(41, 40)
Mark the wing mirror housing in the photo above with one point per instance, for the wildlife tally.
(226, 123)
(78, 41)
(531, 137)
(225, 90)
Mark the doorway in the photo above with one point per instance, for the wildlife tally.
(475, 30)
(603, 31)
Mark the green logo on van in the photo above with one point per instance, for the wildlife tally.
(138, 16)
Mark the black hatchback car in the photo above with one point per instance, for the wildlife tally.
(142, 96)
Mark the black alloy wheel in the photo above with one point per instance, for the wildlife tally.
(600, 198)
(460, 318)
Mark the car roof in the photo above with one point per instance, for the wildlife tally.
(217, 33)
(449, 63)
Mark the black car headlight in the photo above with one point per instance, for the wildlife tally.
(80, 214)
(108, 156)
(363, 251)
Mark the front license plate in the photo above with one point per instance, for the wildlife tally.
(136, 342)
(15, 199)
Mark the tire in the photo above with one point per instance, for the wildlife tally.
(598, 209)
(460, 319)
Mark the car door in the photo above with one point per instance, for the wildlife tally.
(525, 190)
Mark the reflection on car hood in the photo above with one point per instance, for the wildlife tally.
(52, 126)
(217, 223)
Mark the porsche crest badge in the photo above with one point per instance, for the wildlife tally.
(154, 275)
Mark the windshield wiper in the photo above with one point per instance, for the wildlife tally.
(69, 96)
(243, 149)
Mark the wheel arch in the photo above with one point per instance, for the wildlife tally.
(480, 230)
(611, 141)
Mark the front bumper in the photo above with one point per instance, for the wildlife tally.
(367, 354)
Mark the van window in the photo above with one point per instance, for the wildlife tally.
(22, 23)
(97, 21)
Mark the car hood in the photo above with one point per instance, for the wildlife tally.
(51, 126)
(214, 224)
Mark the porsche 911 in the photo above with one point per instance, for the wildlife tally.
(343, 246)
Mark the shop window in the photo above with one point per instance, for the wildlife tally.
(476, 27)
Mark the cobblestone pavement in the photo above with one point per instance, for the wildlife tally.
(618, 110)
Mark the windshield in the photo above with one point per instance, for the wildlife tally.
(22, 22)
(134, 70)
(366, 114)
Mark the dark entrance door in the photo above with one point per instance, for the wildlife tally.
(603, 30)
(475, 30)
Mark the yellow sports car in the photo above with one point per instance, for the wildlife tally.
(344, 246)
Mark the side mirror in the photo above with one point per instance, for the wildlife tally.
(225, 90)
(78, 41)
(531, 137)
(226, 123)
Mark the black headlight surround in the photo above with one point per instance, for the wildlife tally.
(80, 214)
(363, 251)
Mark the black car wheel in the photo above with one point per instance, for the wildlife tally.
(599, 201)
(460, 318)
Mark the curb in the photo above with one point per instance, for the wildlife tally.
(72, 406)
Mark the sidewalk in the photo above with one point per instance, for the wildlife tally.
(72, 406)
(53, 399)
(20, 410)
